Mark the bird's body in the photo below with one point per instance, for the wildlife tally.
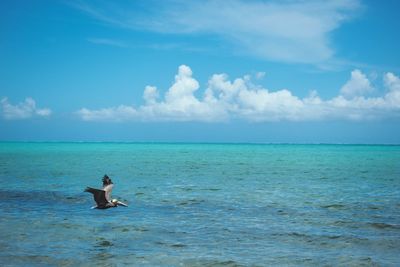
(100, 197)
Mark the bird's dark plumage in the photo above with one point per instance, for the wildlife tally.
(100, 198)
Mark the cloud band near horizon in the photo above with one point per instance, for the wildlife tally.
(224, 100)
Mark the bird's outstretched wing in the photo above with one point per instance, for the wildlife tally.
(99, 196)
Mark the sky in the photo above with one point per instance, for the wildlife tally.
(200, 71)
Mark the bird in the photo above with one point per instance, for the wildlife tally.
(101, 200)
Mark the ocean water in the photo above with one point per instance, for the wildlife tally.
(200, 205)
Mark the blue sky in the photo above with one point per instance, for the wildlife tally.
(200, 71)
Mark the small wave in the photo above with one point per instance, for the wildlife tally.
(334, 236)
(297, 234)
(104, 243)
(282, 212)
(321, 239)
(356, 261)
(225, 263)
(211, 189)
(384, 226)
(128, 228)
(140, 229)
(343, 223)
(314, 237)
(333, 206)
(190, 202)
(185, 189)
(122, 228)
(212, 263)
(178, 245)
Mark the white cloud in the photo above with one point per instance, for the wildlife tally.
(288, 31)
(392, 83)
(22, 110)
(150, 95)
(224, 99)
(358, 85)
(120, 113)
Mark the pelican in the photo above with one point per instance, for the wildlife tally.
(101, 200)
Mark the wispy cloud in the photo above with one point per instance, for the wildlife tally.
(105, 41)
(23, 110)
(284, 31)
(226, 99)
(164, 46)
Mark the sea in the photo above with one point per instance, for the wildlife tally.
(200, 204)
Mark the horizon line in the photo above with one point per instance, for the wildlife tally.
(199, 142)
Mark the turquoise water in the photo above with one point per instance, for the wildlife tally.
(200, 205)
